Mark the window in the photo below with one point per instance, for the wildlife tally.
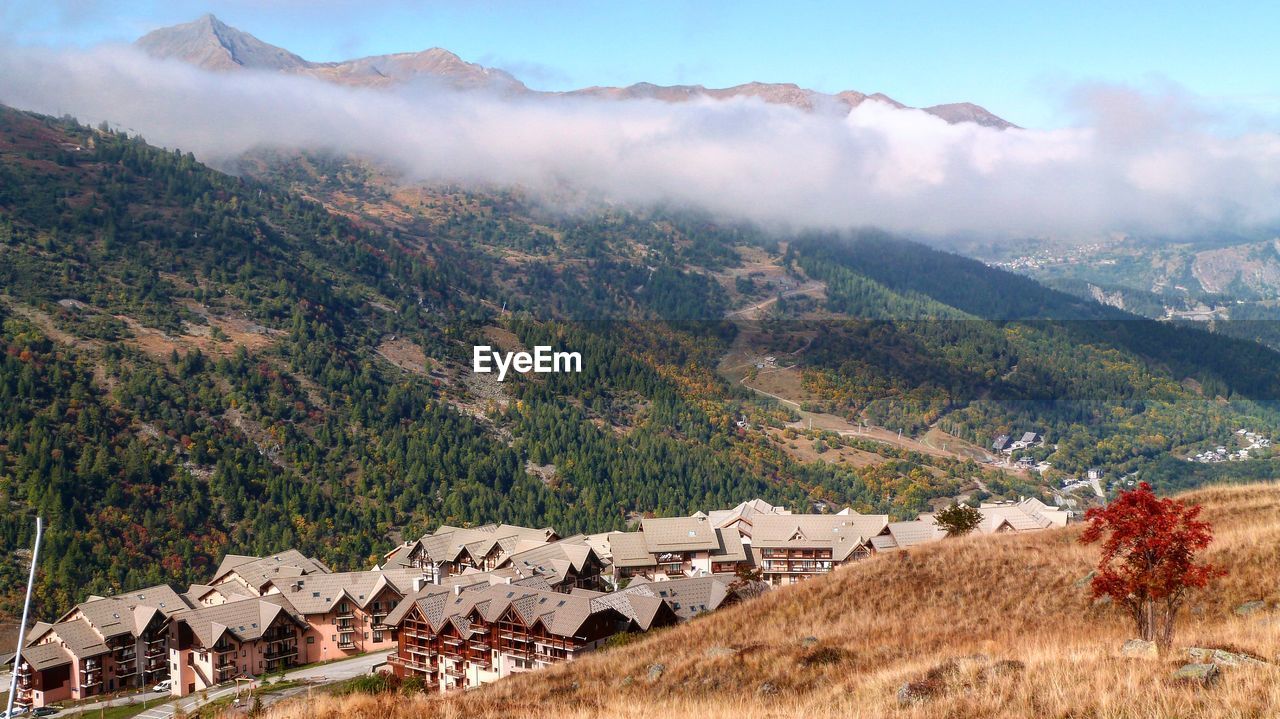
(311, 640)
(377, 636)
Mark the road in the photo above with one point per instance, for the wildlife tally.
(316, 675)
(752, 312)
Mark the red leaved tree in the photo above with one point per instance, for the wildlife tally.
(1148, 564)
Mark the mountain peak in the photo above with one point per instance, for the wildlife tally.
(209, 43)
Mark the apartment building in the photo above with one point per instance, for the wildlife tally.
(250, 637)
(345, 612)
(463, 637)
(453, 550)
(102, 645)
(790, 548)
(676, 547)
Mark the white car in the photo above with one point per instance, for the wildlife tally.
(163, 686)
(17, 712)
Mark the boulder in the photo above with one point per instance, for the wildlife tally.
(655, 672)
(721, 651)
(808, 641)
(913, 693)
(767, 689)
(1253, 607)
(1207, 655)
(1140, 649)
(1204, 675)
(1084, 581)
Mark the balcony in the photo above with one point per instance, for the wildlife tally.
(457, 672)
(346, 644)
(280, 653)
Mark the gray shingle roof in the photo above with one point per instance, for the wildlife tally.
(843, 533)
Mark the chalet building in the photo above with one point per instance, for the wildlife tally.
(453, 550)
(568, 564)
(345, 612)
(238, 572)
(103, 645)
(245, 638)
(677, 547)
(458, 638)
(790, 548)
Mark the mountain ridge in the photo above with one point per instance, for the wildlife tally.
(211, 44)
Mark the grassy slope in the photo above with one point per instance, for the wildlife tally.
(894, 617)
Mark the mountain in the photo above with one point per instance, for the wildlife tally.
(982, 626)
(211, 44)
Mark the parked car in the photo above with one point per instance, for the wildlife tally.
(45, 711)
(17, 712)
(163, 686)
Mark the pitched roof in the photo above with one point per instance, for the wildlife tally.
(246, 619)
(678, 534)
(629, 550)
(78, 637)
(257, 571)
(448, 543)
(744, 514)
(46, 656)
(561, 614)
(843, 533)
(908, 534)
(318, 593)
(688, 597)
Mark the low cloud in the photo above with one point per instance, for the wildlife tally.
(1140, 162)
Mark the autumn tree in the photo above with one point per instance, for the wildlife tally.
(958, 519)
(1148, 563)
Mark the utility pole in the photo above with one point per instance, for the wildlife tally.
(26, 609)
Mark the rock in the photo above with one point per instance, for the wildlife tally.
(655, 672)
(1203, 674)
(721, 651)
(1206, 655)
(808, 641)
(767, 689)
(574, 687)
(1007, 666)
(1084, 581)
(1140, 649)
(1102, 601)
(1248, 608)
(913, 693)
(626, 682)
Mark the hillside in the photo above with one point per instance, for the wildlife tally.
(195, 363)
(1011, 612)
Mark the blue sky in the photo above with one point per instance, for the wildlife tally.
(1019, 59)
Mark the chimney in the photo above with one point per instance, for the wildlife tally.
(457, 589)
(419, 583)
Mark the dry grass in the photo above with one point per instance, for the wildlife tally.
(894, 618)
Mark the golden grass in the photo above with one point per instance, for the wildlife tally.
(890, 619)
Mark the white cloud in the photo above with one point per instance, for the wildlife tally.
(1139, 163)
